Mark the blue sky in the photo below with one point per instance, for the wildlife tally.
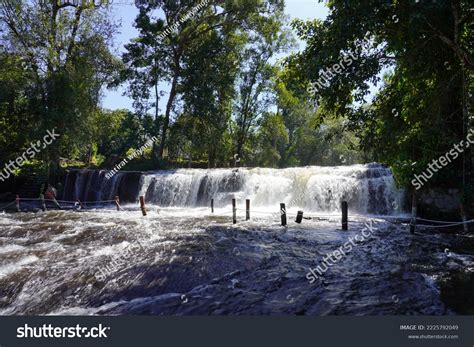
(125, 14)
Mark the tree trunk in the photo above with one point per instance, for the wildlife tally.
(154, 147)
(166, 121)
(211, 157)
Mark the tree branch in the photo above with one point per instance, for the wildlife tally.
(74, 32)
(462, 55)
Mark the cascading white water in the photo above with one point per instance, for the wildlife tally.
(91, 185)
(368, 188)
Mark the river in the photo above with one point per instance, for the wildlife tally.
(181, 259)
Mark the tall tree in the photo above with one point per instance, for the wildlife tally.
(212, 60)
(64, 47)
(254, 91)
(297, 109)
(425, 49)
(185, 23)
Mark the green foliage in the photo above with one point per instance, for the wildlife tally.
(425, 49)
(271, 141)
(55, 60)
(228, 95)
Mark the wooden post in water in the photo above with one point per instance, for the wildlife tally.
(247, 209)
(117, 202)
(43, 204)
(283, 213)
(17, 203)
(344, 208)
(299, 217)
(413, 214)
(212, 205)
(234, 212)
(464, 219)
(142, 205)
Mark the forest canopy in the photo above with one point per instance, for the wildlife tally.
(238, 91)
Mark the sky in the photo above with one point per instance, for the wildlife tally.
(126, 13)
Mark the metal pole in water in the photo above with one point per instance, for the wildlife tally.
(283, 213)
(234, 212)
(43, 205)
(464, 219)
(413, 214)
(247, 209)
(212, 205)
(344, 208)
(142, 205)
(17, 203)
(299, 217)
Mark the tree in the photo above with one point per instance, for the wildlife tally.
(255, 89)
(209, 105)
(64, 48)
(425, 50)
(297, 110)
(271, 140)
(169, 50)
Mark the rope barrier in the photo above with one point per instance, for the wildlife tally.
(67, 201)
(63, 201)
(11, 203)
(444, 226)
(96, 202)
(325, 217)
(437, 221)
(316, 217)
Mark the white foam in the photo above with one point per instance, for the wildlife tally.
(19, 265)
(11, 248)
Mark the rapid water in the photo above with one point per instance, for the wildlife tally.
(187, 261)
(182, 259)
(367, 188)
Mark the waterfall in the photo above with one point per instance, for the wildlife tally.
(91, 185)
(368, 188)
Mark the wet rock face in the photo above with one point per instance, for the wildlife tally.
(233, 182)
(130, 186)
(92, 185)
(68, 185)
(150, 192)
(377, 204)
